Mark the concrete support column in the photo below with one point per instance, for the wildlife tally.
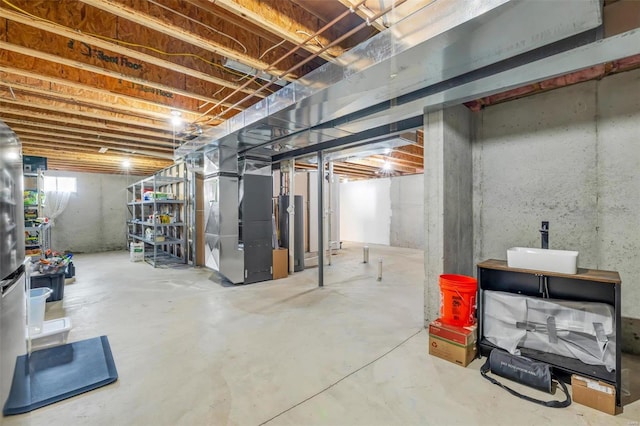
(448, 210)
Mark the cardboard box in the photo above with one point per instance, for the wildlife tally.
(464, 336)
(594, 394)
(280, 263)
(451, 351)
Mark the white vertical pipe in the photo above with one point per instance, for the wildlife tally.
(292, 214)
(329, 209)
(320, 219)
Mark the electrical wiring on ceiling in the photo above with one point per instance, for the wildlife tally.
(315, 38)
(262, 56)
(182, 15)
(130, 44)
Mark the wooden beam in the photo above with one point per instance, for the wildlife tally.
(39, 102)
(171, 29)
(378, 165)
(364, 14)
(411, 150)
(67, 137)
(339, 168)
(107, 158)
(16, 77)
(124, 51)
(400, 161)
(70, 119)
(126, 139)
(287, 21)
(155, 87)
(399, 11)
(45, 143)
(108, 102)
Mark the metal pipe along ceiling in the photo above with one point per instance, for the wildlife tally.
(444, 40)
(286, 55)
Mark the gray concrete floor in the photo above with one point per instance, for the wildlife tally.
(192, 352)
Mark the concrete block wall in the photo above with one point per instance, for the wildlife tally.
(571, 157)
(95, 218)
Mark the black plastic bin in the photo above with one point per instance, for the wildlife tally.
(70, 271)
(54, 281)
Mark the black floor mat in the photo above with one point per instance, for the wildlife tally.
(53, 374)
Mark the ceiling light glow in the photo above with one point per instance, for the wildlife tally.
(176, 118)
(387, 167)
(126, 163)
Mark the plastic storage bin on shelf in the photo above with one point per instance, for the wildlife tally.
(37, 305)
(54, 333)
(53, 281)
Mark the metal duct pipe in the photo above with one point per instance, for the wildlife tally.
(421, 51)
(320, 224)
(292, 212)
(286, 55)
(329, 207)
(222, 251)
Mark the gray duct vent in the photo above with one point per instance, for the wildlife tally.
(444, 40)
(221, 160)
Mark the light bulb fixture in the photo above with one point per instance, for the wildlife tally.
(126, 163)
(387, 167)
(176, 118)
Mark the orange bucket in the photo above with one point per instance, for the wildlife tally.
(458, 299)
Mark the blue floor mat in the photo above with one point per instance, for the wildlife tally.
(53, 374)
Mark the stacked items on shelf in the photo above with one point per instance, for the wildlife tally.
(157, 216)
(37, 236)
(36, 227)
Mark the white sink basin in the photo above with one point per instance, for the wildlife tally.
(562, 261)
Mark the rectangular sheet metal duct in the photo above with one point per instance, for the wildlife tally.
(445, 39)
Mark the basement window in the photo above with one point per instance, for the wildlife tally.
(60, 184)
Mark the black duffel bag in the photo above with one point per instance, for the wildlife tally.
(525, 371)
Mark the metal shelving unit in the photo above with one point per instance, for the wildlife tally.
(39, 238)
(37, 235)
(157, 216)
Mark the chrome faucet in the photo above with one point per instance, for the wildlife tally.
(544, 234)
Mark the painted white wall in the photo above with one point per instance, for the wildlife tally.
(365, 211)
(571, 157)
(407, 211)
(95, 218)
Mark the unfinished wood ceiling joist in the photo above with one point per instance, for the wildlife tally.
(80, 75)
